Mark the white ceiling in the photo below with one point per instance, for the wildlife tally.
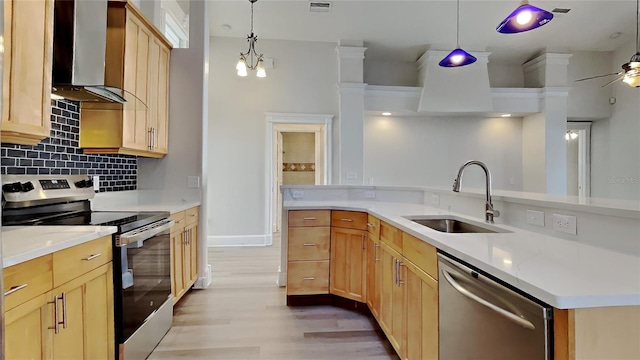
(403, 30)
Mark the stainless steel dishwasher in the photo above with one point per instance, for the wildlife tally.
(481, 319)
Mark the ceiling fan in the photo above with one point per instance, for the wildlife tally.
(631, 70)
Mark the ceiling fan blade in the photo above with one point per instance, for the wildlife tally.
(599, 76)
(612, 81)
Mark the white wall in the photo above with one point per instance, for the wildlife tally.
(572, 166)
(505, 75)
(390, 73)
(615, 145)
(429, 151)
(303, 81)
(533, 154)
(588, 99)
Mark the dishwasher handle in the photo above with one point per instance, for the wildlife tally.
(511, 316)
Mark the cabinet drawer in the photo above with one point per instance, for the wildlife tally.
(27, 280)
(373, 223)
(391, 236)
(308, 277)
(191, 215)
(349, 219)
(309, 243)
(300, 218)
(179, 219)
(420, 253)
(72, 262)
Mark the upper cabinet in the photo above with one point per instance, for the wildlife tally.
(137, 60)
(28, 50)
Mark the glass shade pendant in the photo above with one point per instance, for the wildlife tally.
(251, 60)
(526, 17)
(260, 70)
(457, 57)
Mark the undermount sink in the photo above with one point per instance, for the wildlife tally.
(453, 225)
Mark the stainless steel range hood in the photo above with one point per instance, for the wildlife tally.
(79, 47)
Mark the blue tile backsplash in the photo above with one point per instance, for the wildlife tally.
(60, 154)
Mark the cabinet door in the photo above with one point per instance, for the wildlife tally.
(177, 247)
(161, 114)
(27, 333)
(135, 134)
(421, 315)
(68, 344)
(374, 275)
(28, 52)
(348, 263)
(392, 298)
(192, 254)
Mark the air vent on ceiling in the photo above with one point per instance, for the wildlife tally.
(320, 6)
(560, 10)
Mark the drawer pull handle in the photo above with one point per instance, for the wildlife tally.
(92, 257)
(56, 323)
(347, 220)
(309, 244)
(193, 215)
(15, 289)
(308, 278)
(309, 218)
(64, 310)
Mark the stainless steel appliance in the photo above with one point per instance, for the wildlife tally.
(480, 319)
(141, 251)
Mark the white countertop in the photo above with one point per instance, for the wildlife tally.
(23, 243)
(564, 274)
(146, 200)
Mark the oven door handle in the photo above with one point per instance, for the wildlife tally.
(145, 232)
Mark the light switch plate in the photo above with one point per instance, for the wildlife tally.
(96, 183)
(370, 194)
(565, 223)
(535, 218)
(435, 199)
(297, 194)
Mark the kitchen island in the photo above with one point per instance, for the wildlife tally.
(595, 292)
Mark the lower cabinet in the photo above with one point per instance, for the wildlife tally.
(374, 276)
(348, 275)
(184, 252)
(421, 314)
(74, 320)
(392, 298)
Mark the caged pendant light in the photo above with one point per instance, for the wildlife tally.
(458, 57)
(524, 18)
(251, 60)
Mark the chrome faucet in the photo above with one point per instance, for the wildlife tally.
(489, 212)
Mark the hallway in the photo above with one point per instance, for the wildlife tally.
(243, 316)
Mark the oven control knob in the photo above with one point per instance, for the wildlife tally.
(81, 184)
(12, 188)
(26, 187)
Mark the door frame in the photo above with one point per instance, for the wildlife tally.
(320, 124)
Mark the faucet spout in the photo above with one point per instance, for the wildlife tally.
(490, 212)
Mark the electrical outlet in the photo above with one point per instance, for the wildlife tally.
(435, 199)
(371, 194)
(535, 218)
(351, 176)
(193, 182)
(297, 194)
(565, 223)
(96, 183)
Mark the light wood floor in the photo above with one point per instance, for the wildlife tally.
(243, 316)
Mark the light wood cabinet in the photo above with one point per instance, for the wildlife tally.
(28, 53)
(392, 298)
(138, 56)
(348, 263)
(74, 320)
(308, 244)
(374, 275)
(420, 314)
(184, 252)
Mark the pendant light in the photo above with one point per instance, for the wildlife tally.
(251, 60)
(524, 18)
(632, 68)
(458, 57)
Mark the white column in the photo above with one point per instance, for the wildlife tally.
(544, 154)
(349, 159)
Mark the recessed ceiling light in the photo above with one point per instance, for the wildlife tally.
(615, 35)
(386, 113)
(560, 10)
(506, 115)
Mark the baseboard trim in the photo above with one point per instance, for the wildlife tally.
(239, 240)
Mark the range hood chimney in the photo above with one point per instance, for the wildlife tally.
(456, 90)
(79, 46)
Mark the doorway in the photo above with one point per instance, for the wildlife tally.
(299, 148)
(578, 138)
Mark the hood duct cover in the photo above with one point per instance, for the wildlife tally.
(456, 90)
(79, 47)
